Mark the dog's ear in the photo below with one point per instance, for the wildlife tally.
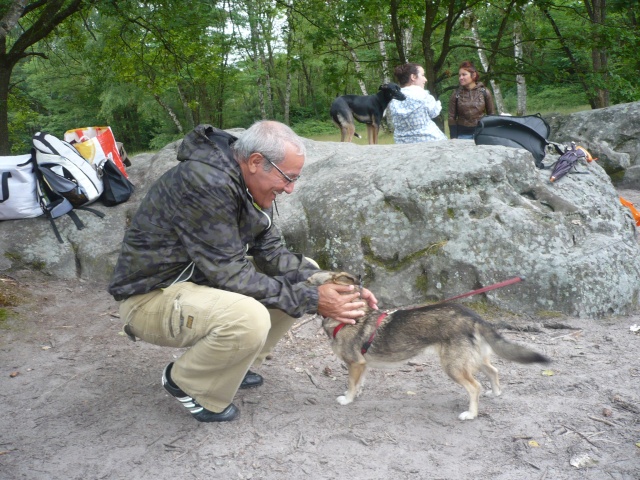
(344, 278)
(339, 278)
(320, 278)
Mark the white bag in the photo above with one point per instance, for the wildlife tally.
(18, 195)
(66, 172)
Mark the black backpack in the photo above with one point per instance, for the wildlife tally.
(529, 132)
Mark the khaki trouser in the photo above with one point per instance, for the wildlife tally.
(227, 333)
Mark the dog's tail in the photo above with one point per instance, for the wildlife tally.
(356, 134)
(506, 349)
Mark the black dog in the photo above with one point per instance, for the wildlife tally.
(364, 108)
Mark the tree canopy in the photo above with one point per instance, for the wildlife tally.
(154, 69)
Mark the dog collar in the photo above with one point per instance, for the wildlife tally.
(368, 343)
(337, 329)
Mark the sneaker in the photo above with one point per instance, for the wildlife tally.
(195, 409)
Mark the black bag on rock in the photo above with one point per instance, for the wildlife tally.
(529, 132)
(117, 187)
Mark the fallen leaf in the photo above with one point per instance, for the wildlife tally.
(547, 373)
(533, 443)
(14, 374)
(46, 347)
(409, 392)
(638, 444)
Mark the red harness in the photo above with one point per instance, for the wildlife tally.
(382, 316)
(368, 343)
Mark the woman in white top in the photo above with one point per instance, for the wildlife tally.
(412, 117)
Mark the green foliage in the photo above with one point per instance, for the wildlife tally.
(161, 140)
(152, 70)
(21, 119)
(313, 128)
(559, 99)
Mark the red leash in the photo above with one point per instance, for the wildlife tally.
(511, 281)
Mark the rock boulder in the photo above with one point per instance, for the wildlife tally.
(612, 134)
(420, 222)
(426, 222)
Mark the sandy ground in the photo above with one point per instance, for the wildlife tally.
(81, 401)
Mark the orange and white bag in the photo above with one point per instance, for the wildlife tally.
(96, 144)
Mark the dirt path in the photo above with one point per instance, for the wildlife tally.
(80, 401)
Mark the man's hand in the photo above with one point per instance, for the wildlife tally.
(343, 303)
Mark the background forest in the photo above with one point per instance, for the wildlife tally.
(154, 69)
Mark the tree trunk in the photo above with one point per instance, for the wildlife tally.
(267, 66)
(497, 93)
(253, 32)
(5, 78)
(386, 77)
(309, 87)
(397, 31)
(356, 64)
(521, 84)
(11, 18)
(49, 16)
(287, 93)
(599, 56)
(185, 104)
(170, 112)
(427, 48)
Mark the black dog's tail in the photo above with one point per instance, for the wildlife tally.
(356, 134)
(508, 350)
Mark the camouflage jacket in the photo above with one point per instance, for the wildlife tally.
(199, 221)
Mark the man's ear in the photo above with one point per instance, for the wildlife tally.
(255, 162)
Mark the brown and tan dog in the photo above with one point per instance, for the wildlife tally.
(463, 340)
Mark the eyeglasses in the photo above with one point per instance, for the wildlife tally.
(286, 177)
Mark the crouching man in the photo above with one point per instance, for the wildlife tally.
(202, 265)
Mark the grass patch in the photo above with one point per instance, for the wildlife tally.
(11, 295)
(326, 131)
(312, 128)
(8, 294)
(563, 100)
(14, 257)
(19, 262)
